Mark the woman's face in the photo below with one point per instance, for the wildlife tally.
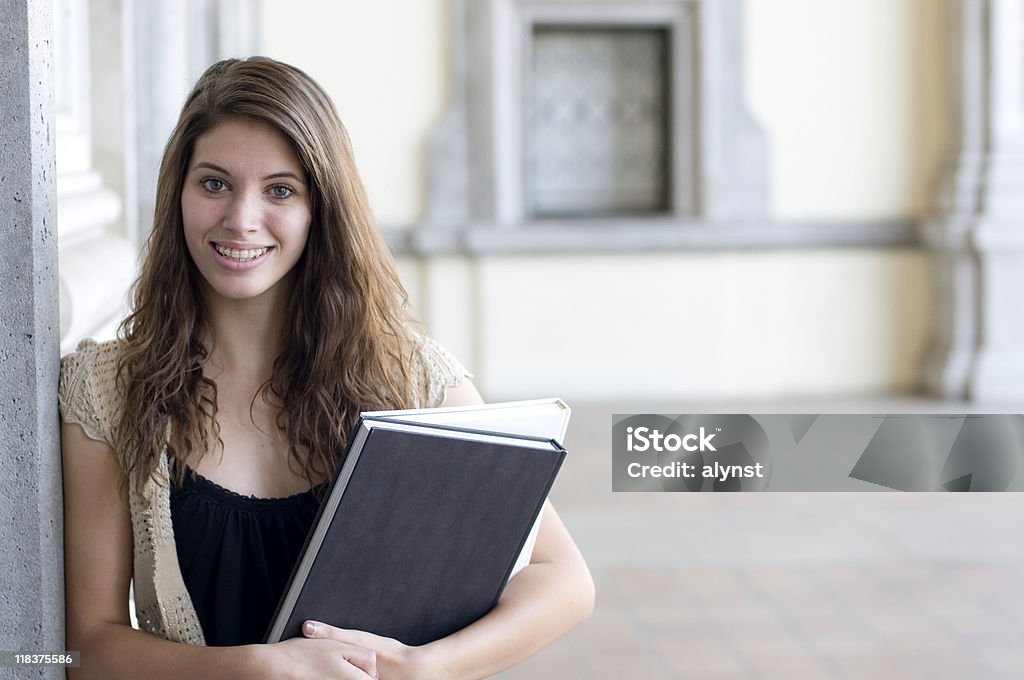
(246, 209)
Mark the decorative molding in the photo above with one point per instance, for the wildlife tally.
(734, 162)
(160, 54)
(84, 207)
(655, 236)
(93, 259)
(719, 161)
(94, 278)
(115, 124)
(977, 241)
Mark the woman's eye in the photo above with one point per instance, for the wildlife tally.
(281, 191)
(213, 185)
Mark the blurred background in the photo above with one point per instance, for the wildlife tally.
(669, 199)
(738, 206)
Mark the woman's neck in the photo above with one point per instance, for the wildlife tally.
(247, 335)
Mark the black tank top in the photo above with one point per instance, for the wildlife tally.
(236, 554)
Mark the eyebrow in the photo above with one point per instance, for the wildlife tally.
(276, 175)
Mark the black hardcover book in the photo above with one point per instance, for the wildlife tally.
(419, 530)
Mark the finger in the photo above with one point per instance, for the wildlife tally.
(362, 658)
(352, 637)
(358, 655)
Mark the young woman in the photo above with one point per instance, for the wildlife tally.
(266, 316)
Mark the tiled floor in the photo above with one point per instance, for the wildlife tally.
(763, 586)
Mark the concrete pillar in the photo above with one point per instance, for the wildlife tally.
(31, 512)
(978, 237)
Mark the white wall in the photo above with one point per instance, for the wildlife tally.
(385, 66)
(757, 324)
(850, 94)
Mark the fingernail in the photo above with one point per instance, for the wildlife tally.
(309, 628)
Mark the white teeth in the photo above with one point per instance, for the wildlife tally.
(240, 255)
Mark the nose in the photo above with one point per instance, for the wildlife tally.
(244, 213)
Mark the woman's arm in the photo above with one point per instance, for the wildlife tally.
(98, 566)
(544, 601)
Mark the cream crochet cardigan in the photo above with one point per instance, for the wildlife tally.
(88, 397)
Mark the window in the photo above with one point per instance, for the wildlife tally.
(598, 139)
(596, 124)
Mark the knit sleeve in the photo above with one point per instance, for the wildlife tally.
(436, 369)
(86, 391)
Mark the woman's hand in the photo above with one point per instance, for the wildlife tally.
(305, 659)
(394, 660)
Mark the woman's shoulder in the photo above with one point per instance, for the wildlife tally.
(89, 350)
(87, 393)
(435, 369)
(90, 360)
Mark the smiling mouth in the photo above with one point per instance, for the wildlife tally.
(241, 255)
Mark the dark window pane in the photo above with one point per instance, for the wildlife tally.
(597, 122)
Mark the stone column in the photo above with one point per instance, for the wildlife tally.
(31, 513)
(977, 239)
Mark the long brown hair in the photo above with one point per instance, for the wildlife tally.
(348, 344)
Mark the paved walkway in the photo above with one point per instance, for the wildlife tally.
(765, 586)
